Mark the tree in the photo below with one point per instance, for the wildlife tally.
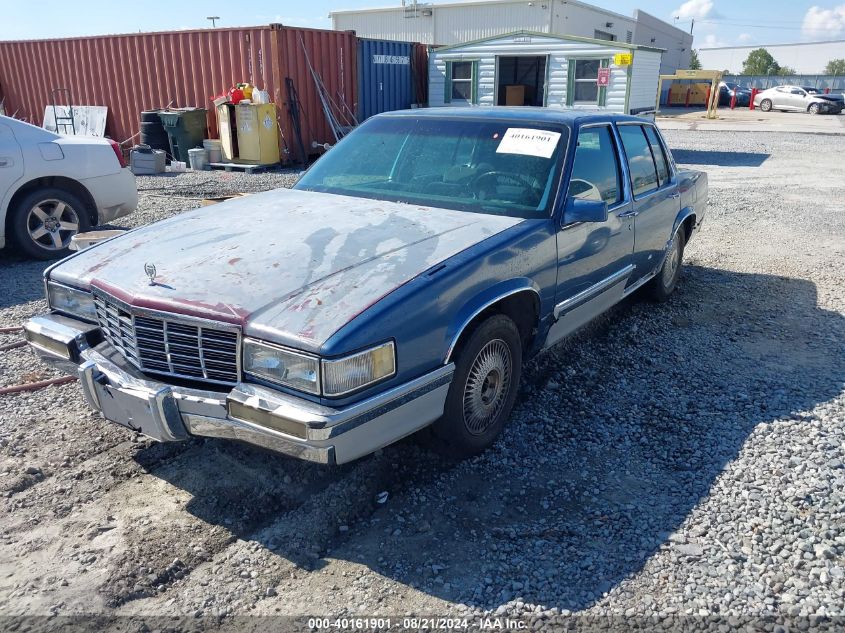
(694, 62)
(834, 67)
(784, 71)
(760, 62)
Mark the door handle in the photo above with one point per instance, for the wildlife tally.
(676, 195)
(5, 162)
(628, 214)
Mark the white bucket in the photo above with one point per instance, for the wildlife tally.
(214, 147)
(199, 158)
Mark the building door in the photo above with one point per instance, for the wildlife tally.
(521, 80)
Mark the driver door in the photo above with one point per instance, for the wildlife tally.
(797, 99)
(594, 258)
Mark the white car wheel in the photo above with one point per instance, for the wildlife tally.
(45, 221)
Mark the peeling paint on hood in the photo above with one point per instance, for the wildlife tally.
(289, 266)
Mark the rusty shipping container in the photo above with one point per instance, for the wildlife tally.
(135, 72)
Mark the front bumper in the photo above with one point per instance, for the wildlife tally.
(250, 413)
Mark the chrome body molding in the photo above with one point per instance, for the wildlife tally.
(277, 421)
(481, 309)
(593, 291)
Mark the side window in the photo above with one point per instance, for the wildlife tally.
(462, 81)
(595, 173)
(586, 80)
(640, 161)
(659, 153)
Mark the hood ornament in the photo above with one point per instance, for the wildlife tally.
(150, 270)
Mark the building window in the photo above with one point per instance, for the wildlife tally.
(603, 35)
(629, 36)
(585, 88)
(461, 81)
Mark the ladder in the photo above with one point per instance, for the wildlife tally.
(63, 122)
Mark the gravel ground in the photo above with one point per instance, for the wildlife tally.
(682, 460)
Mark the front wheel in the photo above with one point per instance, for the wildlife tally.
(766, 105)
(44, 222)
(483, 388)
(813, 109)
(663, 285)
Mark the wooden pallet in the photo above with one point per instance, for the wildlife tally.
(245, 167)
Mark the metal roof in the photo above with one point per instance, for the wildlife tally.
(576, 38)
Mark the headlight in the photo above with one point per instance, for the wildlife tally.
(281, 366)
(348, 374)
(71, 301)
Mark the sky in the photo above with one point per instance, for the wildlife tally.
(716, 22)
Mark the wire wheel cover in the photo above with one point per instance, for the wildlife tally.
(673, 260)
(487, 386)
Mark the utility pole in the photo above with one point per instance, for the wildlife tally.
(691, 24)
(213, 19)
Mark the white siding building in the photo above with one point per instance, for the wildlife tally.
(452, 23)
(526, 68)
(807, 58)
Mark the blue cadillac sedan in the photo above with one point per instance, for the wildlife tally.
(400, 284)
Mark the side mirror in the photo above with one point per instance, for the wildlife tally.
(581, 210)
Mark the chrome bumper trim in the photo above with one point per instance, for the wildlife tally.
(171, 413)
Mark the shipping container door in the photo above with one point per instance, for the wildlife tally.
(384, 77)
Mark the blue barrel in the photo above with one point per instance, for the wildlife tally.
(385, 77)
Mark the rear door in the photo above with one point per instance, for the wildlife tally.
(657, 200)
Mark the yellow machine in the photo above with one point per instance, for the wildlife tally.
(714, 76)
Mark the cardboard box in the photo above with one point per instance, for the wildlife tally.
(515, 95)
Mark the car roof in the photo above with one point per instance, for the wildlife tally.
(516, 113)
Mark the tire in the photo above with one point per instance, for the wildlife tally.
(766, 105)
(487, 372)
(150, 116)
(44, 221)
(813, 109)
(664, 283)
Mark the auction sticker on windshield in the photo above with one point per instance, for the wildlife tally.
(528, 142)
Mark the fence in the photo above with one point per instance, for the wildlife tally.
(836, 83)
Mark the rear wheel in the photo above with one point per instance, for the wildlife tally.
(663, 285)
(483, 389)
(44, 221)
(766, 105)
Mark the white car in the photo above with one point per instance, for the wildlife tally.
(53, 186)
(797, 99)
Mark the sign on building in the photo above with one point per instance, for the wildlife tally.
(603, 77)
(391, 59)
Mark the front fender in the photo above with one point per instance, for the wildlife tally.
(483, 300)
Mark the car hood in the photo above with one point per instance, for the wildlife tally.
(285, 265)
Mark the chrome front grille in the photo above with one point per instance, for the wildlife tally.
(179, 347)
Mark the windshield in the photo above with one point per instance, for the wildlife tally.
(501, 167)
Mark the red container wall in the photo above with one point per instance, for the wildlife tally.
(136, 72)
(131, 73)
(419, 62)
(333, 56)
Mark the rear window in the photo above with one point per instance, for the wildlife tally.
(663, 173)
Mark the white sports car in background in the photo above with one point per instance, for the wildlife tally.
(53, 186)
